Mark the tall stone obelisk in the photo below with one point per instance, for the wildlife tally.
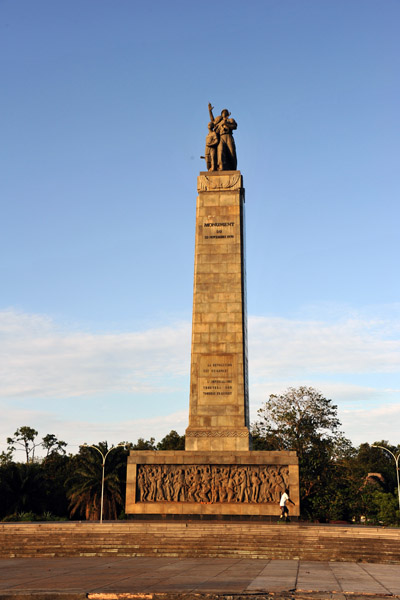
(217, 475)
(219, 404)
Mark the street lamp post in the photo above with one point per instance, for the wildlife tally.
(104, 456)
(396, 460)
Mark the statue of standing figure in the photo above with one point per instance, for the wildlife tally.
(220, 145)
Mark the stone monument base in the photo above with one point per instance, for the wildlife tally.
(241, 484)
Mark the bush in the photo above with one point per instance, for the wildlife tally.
(381, 508)
(388, 508)
(29, 517)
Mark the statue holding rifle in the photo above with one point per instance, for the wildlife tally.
(220, 145)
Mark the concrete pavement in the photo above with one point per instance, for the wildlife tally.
(184, 578)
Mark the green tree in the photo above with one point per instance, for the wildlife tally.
(375, 495)
(172, 441)
(297, 418)
(387, 507)
(26, 437)
(52, 445)
(56, 469)
(374, 460)
(143, 444)
(302, 419)
(379, 507)
(84, 483)
(6, 457)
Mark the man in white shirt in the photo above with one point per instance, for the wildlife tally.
(284, 499)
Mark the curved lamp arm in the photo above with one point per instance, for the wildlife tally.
(396, 460)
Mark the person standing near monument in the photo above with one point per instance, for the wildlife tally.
(284, 499)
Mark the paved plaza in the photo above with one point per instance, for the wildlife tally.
(144, 577)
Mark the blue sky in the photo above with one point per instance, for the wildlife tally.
(104, 117)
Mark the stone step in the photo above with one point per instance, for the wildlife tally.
(294, 541)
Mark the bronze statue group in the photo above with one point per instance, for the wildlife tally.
(220, 152)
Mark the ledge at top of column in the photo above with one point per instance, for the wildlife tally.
(219, 180)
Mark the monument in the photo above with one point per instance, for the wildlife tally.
(217, 475)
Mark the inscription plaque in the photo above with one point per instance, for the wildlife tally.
(219, 230)
(217, 378)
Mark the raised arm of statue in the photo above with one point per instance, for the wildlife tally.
(210, 110)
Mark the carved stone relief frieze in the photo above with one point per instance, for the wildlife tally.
(211, 483)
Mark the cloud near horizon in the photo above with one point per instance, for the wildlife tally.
(41, 359)
(342, 346)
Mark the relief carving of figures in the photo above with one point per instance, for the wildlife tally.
(205, 489)
(255, 485)
(211, 483)
(178, 478)
(265, 491)
(194, 485)
(215, 484)
(220, 146)
(242, 493)
(151, 484)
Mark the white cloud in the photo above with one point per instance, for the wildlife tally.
(283, 346)
(38, 359)
(372, 425)
(41, 361)
(344, 394)
(76, 432)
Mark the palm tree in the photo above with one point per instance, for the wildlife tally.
(84, 484)
(23, 488)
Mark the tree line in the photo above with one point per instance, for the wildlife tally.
(338, 482)
(61, 486)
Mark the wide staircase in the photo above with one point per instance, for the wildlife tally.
(201, 539)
